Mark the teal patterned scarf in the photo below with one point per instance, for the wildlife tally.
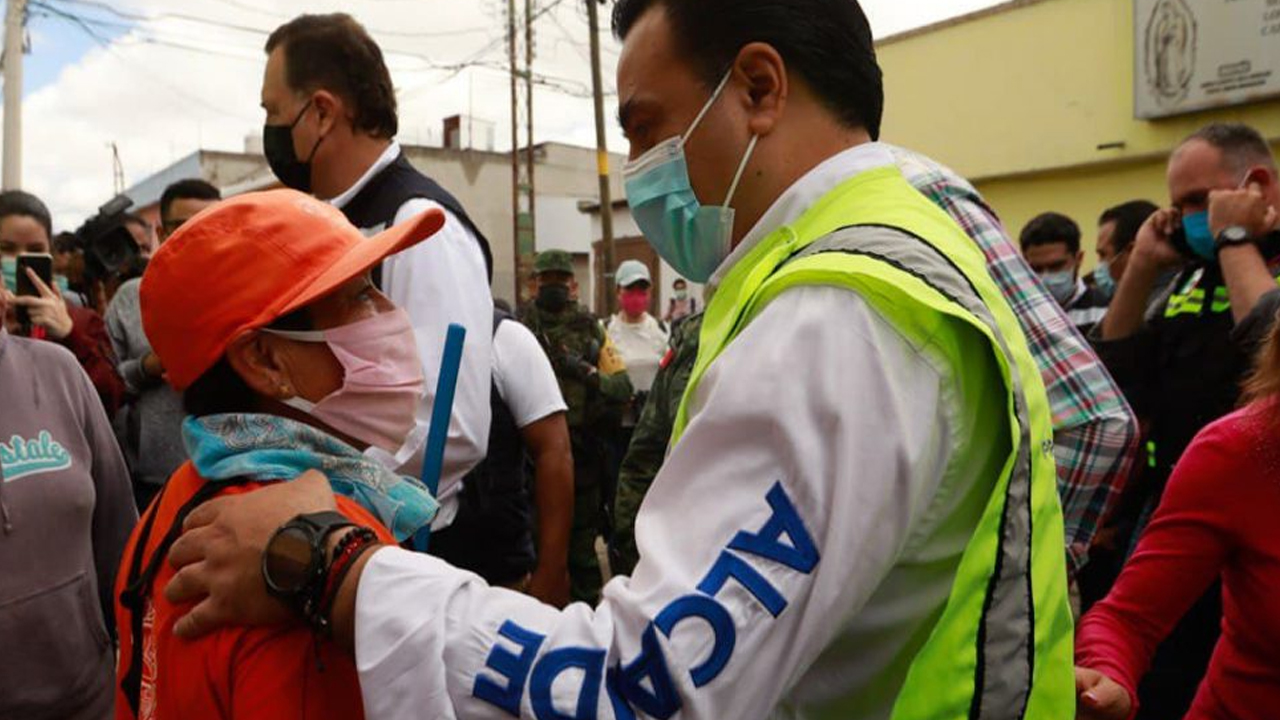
(268, 448)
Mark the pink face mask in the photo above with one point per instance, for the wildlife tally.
(635, 302)
(383, 381)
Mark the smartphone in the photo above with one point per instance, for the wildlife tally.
(1178, 239)
(42, 264)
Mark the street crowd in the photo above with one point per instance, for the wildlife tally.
(897, 461)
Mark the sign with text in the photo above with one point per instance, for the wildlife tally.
(1199, 54)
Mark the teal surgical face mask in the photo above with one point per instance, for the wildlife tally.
(1200, 239)
(9, 270)
(1199, 236)
(1061, 285)
(1102, 276)
(694, 239)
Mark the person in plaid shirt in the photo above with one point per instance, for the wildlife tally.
(1095, 432)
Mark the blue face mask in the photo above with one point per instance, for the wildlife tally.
(1061, 285)
(1199, 236)
(1106, 283)
(694, 239)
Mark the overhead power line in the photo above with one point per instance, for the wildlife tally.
(107, 46)
(138, 17)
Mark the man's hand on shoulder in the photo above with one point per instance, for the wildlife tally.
(219, 556)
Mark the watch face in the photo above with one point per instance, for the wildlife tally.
(288, 561)
(1236, 234)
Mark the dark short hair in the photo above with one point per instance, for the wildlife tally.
(65, 242)
(1241, 145)
(220, 389)
(334, 52)
(21, 202)
(1049, 229)
(189, 189)
(1129, 218)
(828, 43)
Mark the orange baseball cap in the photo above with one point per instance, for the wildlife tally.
(246, 261)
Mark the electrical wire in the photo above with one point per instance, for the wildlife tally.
(107, 46)
(107, 7)
(257, 30)
(141, 35)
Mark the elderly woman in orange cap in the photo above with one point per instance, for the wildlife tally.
(262, 311)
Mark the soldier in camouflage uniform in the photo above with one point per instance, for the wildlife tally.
(593, 381)
(649, 442)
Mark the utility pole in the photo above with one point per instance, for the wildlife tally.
(522, 184)
(14, 20)
(602, 159)
(517, 270)
(530, 168)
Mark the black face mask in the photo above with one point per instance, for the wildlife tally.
(277, 145)
(553, 298)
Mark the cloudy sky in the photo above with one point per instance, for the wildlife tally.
(162, 78)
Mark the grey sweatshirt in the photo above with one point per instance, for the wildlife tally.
(153, 420)
(66, 511)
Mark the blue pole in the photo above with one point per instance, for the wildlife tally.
(441, 412)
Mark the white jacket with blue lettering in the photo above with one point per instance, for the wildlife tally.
(800, 533)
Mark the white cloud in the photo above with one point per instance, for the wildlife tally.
(158, 103)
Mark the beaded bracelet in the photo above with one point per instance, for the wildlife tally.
(350, 549)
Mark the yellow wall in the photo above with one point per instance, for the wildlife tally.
(1019, 98)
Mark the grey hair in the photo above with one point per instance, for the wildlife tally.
(1241, 146)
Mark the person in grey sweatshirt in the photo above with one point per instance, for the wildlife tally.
(152, 424)
(66, 512)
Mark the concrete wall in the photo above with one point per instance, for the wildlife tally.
(1020, 98)
(482, 183)
(481, 180)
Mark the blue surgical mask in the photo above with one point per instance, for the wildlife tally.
(1102, 276)
(1199, 236)
(1061, 285)
(693, 238)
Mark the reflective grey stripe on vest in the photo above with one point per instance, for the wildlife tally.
(1006, 633)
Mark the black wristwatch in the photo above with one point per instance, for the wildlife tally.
(294, 565)
(1232, 236)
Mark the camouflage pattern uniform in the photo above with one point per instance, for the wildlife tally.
(648, 447)
(594, 383)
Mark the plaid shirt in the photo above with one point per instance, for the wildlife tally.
(1095, 433)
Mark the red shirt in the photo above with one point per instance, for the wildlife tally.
(1219, 516)
(91, 345)
(242, 673)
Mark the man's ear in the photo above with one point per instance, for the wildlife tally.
(1080, 259)
(255, 357)
(1262, 176)
(330, 111)
(762, 70)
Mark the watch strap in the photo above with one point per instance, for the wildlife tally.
(325, 522)
(1231, 237)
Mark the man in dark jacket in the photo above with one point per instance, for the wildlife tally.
(1181, 362)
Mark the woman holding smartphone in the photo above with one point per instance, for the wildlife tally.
(25, 229)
